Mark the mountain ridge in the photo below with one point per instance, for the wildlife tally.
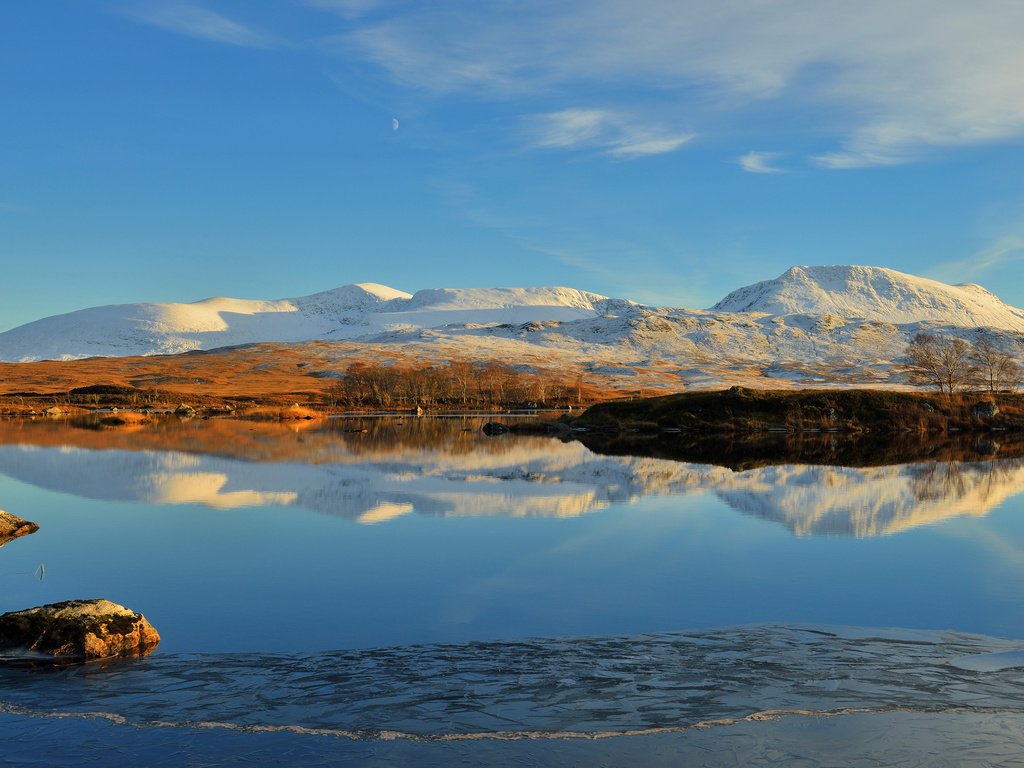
(833, 325)
(346, 312)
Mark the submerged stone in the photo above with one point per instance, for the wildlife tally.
(79, 630)
(13, 527)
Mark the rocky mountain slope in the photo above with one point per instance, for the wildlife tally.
(839, 325)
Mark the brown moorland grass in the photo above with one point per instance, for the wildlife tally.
(260, 374)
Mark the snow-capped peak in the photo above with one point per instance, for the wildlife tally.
(382, 292)
(873, 293)
(489, 298)
(358, 296)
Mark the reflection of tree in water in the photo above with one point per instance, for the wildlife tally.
(453, 435)
(952, 480)
(313, 442)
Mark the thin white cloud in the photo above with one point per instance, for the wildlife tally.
(1006, 249)
(760, 162)
(636, 146)
(194, 21)
(610, 132)
(895, 79)
(646, 270)
(348, 8)
(862, 157)
(571, 128)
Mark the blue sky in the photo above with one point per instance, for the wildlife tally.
(666, 151)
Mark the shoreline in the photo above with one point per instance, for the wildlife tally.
(732, 410)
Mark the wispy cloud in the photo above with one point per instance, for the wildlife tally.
(637, 146)
(647, 281)
(348, 8)
(653, 275)
(610, 132)
(1009, 248)
(898, 79)
(198, 22)
(760, 162)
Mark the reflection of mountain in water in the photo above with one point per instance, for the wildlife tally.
(872, 501)
(517, 476)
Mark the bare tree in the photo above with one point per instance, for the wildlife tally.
(461, 383)
(943, 363)
(996, 370)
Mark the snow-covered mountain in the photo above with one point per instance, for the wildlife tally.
(821, 325)
(873, 293)
(349, 312)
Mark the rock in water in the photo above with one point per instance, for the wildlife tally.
(11, 527)
(77, 629)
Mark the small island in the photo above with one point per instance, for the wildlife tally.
(852, 411)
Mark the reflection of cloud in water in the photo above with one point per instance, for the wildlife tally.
(208, 488)
(384, 512)
(533, 478)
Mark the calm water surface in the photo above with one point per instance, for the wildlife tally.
(352, 536)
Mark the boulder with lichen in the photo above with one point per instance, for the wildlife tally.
(79, 630)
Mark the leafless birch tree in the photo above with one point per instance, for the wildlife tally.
(944, 363)
(996, 370)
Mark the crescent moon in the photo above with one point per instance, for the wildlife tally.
(394, 123)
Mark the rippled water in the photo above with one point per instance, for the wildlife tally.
(617, 699)
(403, 595)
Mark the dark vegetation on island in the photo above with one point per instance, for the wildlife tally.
(744, 428)
(851, 411)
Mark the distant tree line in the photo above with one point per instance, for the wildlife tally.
(456, 384)
(955, 365)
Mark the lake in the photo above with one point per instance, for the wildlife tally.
(410, 591)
